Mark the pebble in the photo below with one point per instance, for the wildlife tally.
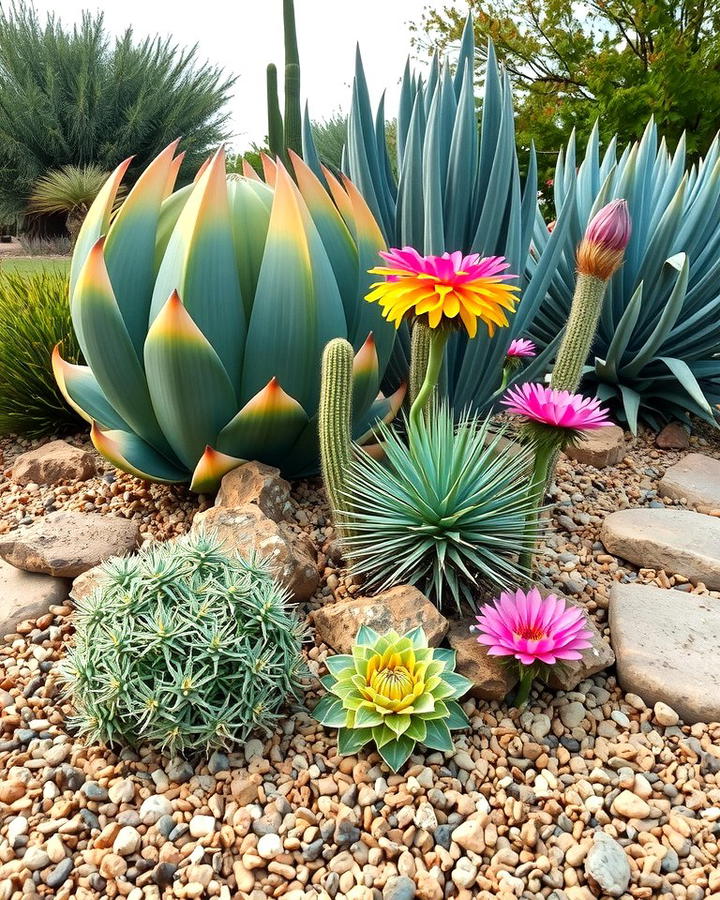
(202, 826)
(630, 806)
(59, 874)
(35, 858)
(399, 887)
(153, 808)
(665, 715)
(127, 841)
(572, 714)
(607, 866)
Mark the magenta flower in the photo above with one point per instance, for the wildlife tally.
(521, 347)
(611, 226)
(559, 409)
(532, 629)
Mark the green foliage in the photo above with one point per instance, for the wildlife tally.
(443, 511)
(458, 188)
(184, 647)
(203, 316)
(335, 418)
(616, 62)
(329, 136)
(34, 317)
(656, 355)
(395, 692)
(76, 96)
(70, 191)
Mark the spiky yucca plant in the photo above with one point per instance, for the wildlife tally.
(394, 691)
(184, 647)
(443, 511)
(70, 191)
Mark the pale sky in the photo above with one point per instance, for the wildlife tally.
(245, 35)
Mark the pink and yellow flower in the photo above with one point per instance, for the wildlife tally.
(532, 629)
(602, 248)
(444, 288)
(521, 347)
(558, 409)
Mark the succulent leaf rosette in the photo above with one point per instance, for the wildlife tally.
(393, 690)
(203, 312)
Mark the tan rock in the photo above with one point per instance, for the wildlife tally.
(400, 609)
(602, 447)
(245, 529)
(673, 437)
(598, 656)
(55, 463)
(696, 479)
(492, 680)
(470, 834)
(66, 544)
(26, 595)
(630, 806)
(676, 540)
(86, 583)
(256, 483)
(667, 646)
(10, 791)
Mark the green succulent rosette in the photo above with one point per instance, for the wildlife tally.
(396, 691)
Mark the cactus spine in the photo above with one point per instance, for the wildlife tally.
(579, 332)
(334, 418)
(288, 133)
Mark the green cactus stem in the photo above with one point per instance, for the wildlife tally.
(334, 418)
(438, 339)
(275, 122)
(293, 112)
(579, 332)
(419, 352)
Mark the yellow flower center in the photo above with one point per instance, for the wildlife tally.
(393, 683)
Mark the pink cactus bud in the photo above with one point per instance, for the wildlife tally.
(611, 226)
(601, 251)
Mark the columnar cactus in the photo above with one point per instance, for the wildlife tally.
(285, 135)
(419, 352)
(599, 256)
(334, 418)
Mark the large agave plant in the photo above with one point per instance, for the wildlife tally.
(458, 188)
(203, 314)
(657, 349)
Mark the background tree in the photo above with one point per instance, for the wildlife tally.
(618, 61)
(76, 96)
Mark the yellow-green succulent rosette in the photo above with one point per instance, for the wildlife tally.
(396, 691)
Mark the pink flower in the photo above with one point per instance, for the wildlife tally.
(601, 250)
(521, 347)
(611, 226)
(533, 629)
(559, 409)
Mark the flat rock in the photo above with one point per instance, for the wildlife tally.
(696, 479)
(26, 595)
(66, 544)
(254, 482)
(667, 646)
(673, 437)
(492, 680)
(400, 609)
(677, 540)
(606, 866)
(602, 447)
(55, 463)
(247, 530)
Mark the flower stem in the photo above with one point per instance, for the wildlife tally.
(544, 455)
(438, 340)
(523, 691)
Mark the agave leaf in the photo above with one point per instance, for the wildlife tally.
(81, 390)
(128, 452)
(109, 351)
(438, 736)
(200, 264)
(297, 302)
(351, 740)
(130, 246)
(211, 469)
(396, 752)
(268, 423)
(250, 205)
(191, 392)
(365, 375)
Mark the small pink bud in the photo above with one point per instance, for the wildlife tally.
(601, 250)
(611, 226)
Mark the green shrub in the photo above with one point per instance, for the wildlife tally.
(34, 316)
(184, 647)
(441, 512)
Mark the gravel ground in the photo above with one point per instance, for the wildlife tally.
(510, 814)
